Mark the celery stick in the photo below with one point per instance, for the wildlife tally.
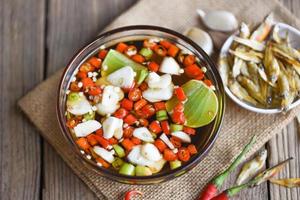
(142, 171)
(119, 150)
(176, 127)
(175, 164)
(127, 169)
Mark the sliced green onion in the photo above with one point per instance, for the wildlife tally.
(146, 52)
(127, 169)
(142, 171)
(175, 164)
(176, 127)
(118, 162)
(119, 150)
(73, 96)
(89, 116)
(161, 115)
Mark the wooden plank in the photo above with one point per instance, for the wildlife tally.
(286, 144)
(71, 24)
(21, 68)
(260, 192)
(281, 147)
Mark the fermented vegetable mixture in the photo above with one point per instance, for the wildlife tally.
(135, 106)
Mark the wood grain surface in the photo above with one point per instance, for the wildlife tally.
(43, 35)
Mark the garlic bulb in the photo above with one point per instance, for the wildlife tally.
(201, 38)
(219, 20)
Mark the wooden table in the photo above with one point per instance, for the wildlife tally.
(36, 38)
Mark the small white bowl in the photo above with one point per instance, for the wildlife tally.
(294, 35)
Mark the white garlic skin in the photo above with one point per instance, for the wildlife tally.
(201, 38)
(219, 20)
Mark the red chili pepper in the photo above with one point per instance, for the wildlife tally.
(139, 104)
(180, 94)
(160, 106)
(102, 141)
(193, 71)
(165, 127)
(178, 117)
(179, 107)
(148, 110)
(127, 104)
(121, 113)
(135, 94)
(131, 193)
(211, 189)
(189, 130)
(130, 119)
(155, 127)
(102, 54)
(94, 91)
(153, 66)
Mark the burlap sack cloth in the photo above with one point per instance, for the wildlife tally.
(239, 125)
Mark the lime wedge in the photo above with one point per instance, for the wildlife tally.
(202, 104)
(115, 60)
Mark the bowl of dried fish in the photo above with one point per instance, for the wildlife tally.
(260, 68)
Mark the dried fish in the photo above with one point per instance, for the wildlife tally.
(247, 56)
(251, 88)
(258, 46)
(261, 33)
(241, 93)
(224, 69)
(200, 37)
(252, 167)
(289, 182)
(219, 20)
(265, 69)
(236, 68)
(269, 173)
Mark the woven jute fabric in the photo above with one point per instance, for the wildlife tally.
(238, 125)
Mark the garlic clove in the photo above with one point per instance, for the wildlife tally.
(201, 38)
(113, 126)
(123, 77)
(106, 109)
(103, 153)
(85, 128)
(182, 136)
(136, 157)
(155, 95)
(143, 134)
(150, 152)
(155, 81)
(219, 20)
(169, 66)
(167, 141)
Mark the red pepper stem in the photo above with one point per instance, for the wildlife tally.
(218, 180)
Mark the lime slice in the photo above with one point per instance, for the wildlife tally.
(202, 104)
(115, 60)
